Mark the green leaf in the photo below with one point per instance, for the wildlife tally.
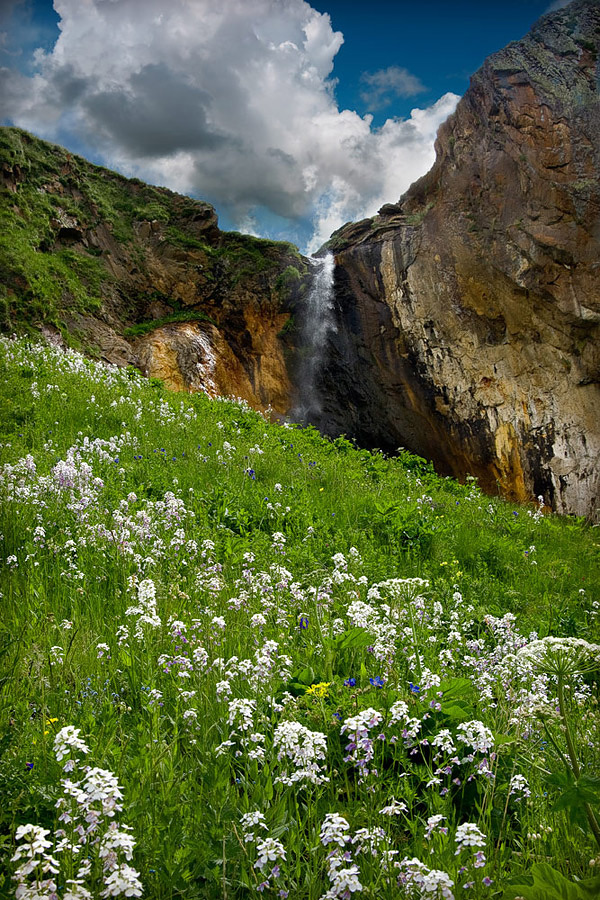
(458, 711)
(354, 639)
(305, 676)
(573, 794)
(295, 688)
(545, 883)
(268, 788)
(456, 688)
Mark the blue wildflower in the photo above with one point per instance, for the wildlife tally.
(377, 681)
(414, 688)
(350, 682)
(303, 622)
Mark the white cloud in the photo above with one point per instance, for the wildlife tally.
(385, 84)
(231, 101)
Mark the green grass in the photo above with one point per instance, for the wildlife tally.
(253, 533)
(182, 316)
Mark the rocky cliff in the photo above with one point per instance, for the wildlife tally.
(140, 275)
(469, 312)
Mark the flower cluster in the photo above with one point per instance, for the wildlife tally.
(296, 745)
(89, 830)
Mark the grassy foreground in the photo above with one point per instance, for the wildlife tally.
(238, 658)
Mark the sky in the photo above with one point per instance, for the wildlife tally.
(290, 117)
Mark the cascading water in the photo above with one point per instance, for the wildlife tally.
(317, 323)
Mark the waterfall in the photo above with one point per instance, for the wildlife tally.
(317, 323)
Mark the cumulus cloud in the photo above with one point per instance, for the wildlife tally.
(230, 101)
(385, 84)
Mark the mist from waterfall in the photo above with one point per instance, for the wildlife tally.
(317, 323)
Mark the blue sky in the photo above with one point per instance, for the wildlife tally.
(289, 117)
(441, 42)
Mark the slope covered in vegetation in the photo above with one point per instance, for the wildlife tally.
(237, 657)
(104, 259)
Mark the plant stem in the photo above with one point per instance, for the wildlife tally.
(573, 757)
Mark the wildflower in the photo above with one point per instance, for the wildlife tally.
(36, 842)
(319, 690)
(241, 713)
(444, 741)
(117, 840)
(468, 835)
(431, 883)
(67, 740)
(563, 657)
(476, 735)
(223, 688)
(269, 850)
(344, 882)
(368, 840)
(432, 824)
(350, 682)
(102, 785)
(123, 880)
(360, 744)
(335, 830)
(223, 747)
(519, 787)
(57, 654)
(394, 808)
(378, 681)
(103, 650)
(303, 622)
(251, 819)
(303, 748)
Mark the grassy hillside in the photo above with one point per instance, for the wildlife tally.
(80, 243)
(238, 658)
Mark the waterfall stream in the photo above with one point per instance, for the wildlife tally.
(317, 323)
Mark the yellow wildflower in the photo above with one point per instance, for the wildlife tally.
(319, 690)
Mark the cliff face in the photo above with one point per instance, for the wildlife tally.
(469, 312)
(142, 276)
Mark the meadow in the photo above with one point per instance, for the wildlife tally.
(240, 659)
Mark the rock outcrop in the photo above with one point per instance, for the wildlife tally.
(469, 312)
